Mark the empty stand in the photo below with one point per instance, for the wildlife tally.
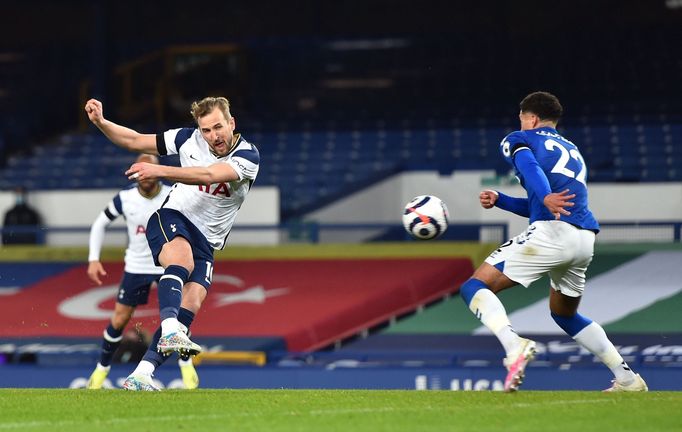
(314, 167)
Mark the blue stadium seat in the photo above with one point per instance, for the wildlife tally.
(315, 166)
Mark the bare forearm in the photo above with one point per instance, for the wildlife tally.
(216, 173)
(188, 175)
(120, 135)
(125, 137)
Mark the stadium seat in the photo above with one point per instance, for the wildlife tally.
(315, 166)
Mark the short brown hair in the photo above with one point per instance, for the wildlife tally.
(208, 104)
(544, 105)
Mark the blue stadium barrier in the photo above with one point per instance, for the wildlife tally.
(453, 378)
(421, 362)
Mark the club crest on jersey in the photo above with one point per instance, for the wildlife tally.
(506, 148)
(173, 228)
(218, 189)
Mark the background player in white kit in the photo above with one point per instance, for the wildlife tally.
(559, 242)
(140, 273)
(217, 170)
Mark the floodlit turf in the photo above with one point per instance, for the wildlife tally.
(336, 410)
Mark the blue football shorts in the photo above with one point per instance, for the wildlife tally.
(166, 224)
(134, 288)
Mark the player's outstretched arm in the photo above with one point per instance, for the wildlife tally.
(216, 173)
(490, 198)
(120, 135)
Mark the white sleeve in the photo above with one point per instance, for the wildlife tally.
(173, 139)
(245, 162)
(97, 236)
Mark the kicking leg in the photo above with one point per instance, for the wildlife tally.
(479, 293)
(176, 257)
(592, 337)
(141, 378)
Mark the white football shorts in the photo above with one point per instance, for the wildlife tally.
(547, 247)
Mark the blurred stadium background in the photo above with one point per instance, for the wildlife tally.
(356, 107)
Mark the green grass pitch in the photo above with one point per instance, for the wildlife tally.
(336, 410)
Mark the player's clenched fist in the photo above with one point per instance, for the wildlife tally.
(488, 198)
(144, 171)
(95, 112)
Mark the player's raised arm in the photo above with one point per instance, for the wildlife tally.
(215, 173)
(120, 135)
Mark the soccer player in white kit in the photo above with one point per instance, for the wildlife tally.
(559, 242)
(135, 204)
(217, 170)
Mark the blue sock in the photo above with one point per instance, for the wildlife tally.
(186, 317)
(152, 355)
(572, 324)
(110, 342)
(170, 291)
(469, 289)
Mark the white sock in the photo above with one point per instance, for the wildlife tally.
(490, 310)
(144, 368)
(593, 338)
(182, 362)
(169, 325)
(100, 367)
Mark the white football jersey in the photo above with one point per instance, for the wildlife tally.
(211, 208)
(136, 209)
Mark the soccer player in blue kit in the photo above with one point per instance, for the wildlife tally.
(559, 242)
(218, 167)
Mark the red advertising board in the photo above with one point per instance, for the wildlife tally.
(310, 303)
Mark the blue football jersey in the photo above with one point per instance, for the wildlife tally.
(564, 167)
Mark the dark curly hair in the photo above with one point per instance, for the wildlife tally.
(544, 105)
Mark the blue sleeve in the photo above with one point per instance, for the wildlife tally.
(118, 204)
(517, 206)
(510, 144)
(535, 180)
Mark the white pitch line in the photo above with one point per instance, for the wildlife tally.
(563, 402)
(352, 411)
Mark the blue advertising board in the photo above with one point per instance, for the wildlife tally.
(224, 377)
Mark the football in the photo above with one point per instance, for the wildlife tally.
(425, 217)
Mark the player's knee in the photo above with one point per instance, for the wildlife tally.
(180, 261)
(470, 288)
(177, 252)
(189, 265)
